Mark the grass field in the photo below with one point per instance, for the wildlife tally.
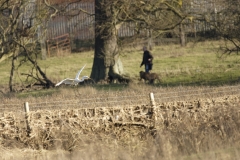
(196, 64)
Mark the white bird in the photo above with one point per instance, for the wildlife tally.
(73, 81)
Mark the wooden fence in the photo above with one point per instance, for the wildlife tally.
(93, 119)
(56, 46)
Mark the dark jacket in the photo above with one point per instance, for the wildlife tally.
(147, 55)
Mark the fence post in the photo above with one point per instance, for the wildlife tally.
(153, 105)
(26, 108)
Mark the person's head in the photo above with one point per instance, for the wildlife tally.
(144, 48)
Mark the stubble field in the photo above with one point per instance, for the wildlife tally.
(85, 123)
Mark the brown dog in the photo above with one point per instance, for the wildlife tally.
(151, 77)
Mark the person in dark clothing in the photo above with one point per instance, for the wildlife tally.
(147, 60)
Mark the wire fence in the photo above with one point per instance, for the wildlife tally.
(134, 98)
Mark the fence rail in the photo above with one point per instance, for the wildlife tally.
(58, 45)
(136, 99)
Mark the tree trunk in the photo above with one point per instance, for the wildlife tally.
(106, 58)
(42, 38)
(182, 35)
(43, 48)
(150, 43)
(106, 61)
(14, 57)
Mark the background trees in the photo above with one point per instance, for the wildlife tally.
(227, 25)
(21, 30)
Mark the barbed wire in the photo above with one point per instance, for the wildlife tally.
(236, 89)
(125, 100)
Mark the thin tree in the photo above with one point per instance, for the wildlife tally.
(19, 25)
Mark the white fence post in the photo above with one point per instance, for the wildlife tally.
(153, 105)
(26, 108)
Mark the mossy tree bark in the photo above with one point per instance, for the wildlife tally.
(106, 58)
(106, 55)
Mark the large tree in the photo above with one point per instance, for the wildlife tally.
(151, 15)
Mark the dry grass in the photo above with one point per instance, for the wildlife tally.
(78, 123)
